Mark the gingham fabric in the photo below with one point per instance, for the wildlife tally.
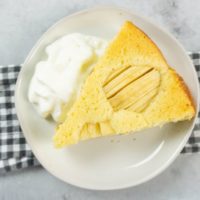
(15, 153)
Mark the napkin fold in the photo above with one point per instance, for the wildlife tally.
(15, 153)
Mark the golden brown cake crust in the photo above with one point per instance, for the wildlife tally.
(186, 89)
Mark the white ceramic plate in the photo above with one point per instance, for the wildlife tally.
(110, 162)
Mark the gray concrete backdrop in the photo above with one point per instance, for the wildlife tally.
(21, 24)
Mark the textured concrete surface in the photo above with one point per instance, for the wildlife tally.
(21, 24)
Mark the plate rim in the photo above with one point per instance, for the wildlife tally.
(179, 147)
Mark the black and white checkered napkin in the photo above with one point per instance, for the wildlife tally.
(15, 153)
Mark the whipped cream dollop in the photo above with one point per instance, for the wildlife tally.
(57, 80)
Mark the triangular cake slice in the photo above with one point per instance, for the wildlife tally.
(131, 88)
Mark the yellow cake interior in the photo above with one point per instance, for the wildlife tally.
(131, 88)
